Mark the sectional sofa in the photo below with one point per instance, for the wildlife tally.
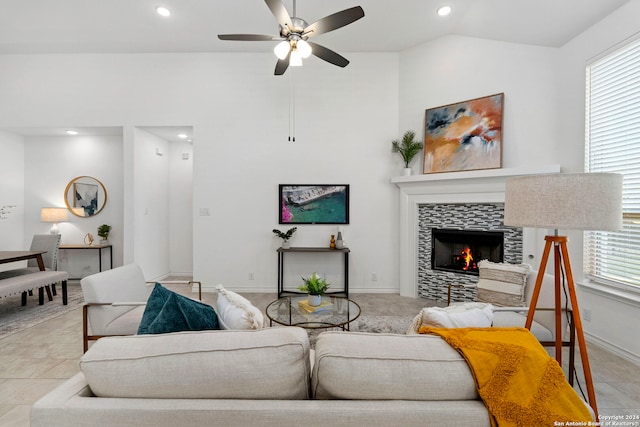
(267, 377)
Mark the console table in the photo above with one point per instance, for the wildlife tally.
(282, 251)
(95, 248)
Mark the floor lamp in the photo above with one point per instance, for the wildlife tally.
(582, 201)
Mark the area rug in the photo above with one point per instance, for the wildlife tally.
(375, 324)
(15, 317)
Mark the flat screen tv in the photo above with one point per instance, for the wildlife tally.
(313, 204)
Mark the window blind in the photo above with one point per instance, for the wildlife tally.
(613, 145)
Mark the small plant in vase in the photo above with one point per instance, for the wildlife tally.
(315, 286)
(103, 233)
(285, 236)
(408, 149)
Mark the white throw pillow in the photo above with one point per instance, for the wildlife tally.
(466, 315)
(237, 312)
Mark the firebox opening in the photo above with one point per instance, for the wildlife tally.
(460, 250)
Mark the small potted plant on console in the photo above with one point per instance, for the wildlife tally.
(315, 286)
(285, 236)
(103, 232)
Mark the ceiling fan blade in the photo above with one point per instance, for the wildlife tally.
(280, 12)
(282, 65)
(334, 21)
(328, 55)
(248, 37)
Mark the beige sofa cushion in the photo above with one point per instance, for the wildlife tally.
(351, 365)
(264, 364)
(502, 284)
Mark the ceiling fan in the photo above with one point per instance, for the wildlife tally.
(295, 32)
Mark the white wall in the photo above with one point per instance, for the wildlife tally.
(456, 68)
(345, 120)
(12, 194)
(151, 204)
(54, 161)
(180, 208)
(610, 314)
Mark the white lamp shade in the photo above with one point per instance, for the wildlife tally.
(581, 201)
(295, 60)
(304, 48)
(282, 49)
(54, 215)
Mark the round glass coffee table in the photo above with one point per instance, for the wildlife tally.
(334, 312)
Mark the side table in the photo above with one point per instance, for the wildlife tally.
(96, 249)
(283, 251)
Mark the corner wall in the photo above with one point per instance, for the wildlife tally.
(12, 193)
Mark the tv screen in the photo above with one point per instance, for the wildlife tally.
(313, 204)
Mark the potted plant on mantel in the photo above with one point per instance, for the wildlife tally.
(315, 286)
(285, 236)
(408, 149)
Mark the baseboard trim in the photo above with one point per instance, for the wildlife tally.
(611, 347)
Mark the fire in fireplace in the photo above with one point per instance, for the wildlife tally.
(460, 250)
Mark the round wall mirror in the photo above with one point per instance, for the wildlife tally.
(85, 196)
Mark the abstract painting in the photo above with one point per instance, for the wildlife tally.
(464, 136)
(86, 197)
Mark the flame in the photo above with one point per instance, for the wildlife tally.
(468, 258)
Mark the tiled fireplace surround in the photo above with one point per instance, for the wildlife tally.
(433, 284)
(424, 199)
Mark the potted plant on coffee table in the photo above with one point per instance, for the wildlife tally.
(285, 236)
(315, 286)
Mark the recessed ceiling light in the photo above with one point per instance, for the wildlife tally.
(444, 10)
(163, 11)
(182, 136)
(71, 132)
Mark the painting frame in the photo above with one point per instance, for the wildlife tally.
(464, 136)
(312, 204)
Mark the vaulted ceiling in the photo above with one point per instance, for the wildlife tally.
(92, 26)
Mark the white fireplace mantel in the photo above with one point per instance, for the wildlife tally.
(482, 186)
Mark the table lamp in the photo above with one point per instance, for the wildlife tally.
(54, 215)
(580, 201)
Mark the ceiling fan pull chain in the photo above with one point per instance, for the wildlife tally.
(292, 107)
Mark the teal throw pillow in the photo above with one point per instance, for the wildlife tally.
(167, 311)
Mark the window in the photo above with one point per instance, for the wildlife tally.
(613, 145)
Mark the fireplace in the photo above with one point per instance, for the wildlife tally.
(460, 251)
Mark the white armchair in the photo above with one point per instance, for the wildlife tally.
(114, 302)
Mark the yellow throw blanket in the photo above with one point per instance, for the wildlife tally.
(519, 382)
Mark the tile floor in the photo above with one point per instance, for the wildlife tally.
(37, 359)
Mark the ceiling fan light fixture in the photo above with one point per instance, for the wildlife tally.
(282, 49)
(304, 48)
(295, 60)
